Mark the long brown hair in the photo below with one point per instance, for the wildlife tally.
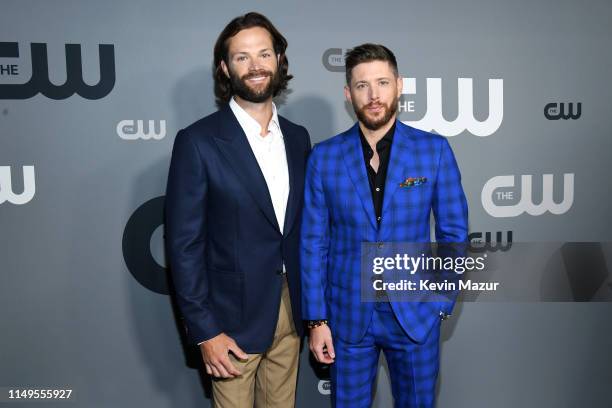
(223, 87)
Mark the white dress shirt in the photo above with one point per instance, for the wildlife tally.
(269, 150)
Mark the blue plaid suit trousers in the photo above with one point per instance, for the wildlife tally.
(413, 367)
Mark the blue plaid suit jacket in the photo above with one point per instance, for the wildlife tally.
(338, 215)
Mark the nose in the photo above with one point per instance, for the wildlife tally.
(374, 94)
(257, 63)
(253, 64)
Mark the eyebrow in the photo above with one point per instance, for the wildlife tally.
(376, 79)
(260, 51)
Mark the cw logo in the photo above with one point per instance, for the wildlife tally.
(478, 245)
(333, 59)
(556, 111)
(39, 81)
(137, 246)
(526, 204)
(129, 129)
(6, 186)
(324, 387)
(433, 120)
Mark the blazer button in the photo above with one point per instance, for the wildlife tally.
(280, 272)
(380, 245)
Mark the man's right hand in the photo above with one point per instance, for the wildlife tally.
(215, 353)
(321, 344)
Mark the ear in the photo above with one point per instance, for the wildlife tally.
(224, 68)
(347, 93)
(400, 84)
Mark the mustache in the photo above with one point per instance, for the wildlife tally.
(255, 74)
(375, 105)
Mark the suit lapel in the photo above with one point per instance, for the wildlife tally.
(234, 146)
(354, 161)
(401, 153)
(294, 189)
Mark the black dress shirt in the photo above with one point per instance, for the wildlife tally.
(377, 179)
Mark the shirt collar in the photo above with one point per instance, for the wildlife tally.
(386, 141)
(250, 125)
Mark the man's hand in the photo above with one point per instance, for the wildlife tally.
(321, 344)
(215, 353)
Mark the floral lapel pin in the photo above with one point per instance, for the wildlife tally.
(413, 181)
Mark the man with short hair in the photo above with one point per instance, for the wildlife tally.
(233, 215)
(360, 187)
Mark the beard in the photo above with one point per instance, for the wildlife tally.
(376, 122)
(255, 95)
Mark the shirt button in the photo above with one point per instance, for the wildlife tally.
(377, 188)
(378, 218)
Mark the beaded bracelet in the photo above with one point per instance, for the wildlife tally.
(316, 323)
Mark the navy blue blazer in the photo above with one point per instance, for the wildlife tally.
(225, 247)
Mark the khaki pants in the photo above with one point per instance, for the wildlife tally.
(268, 379)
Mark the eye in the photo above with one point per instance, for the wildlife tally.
(384, 82)
(241, 58)
(266, 55)
(360, 85)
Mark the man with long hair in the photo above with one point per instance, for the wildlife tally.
(233, 215)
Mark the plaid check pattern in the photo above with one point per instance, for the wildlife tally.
(338, 215)
(413, 367)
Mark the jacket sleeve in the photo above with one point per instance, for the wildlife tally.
(451, 213)
(449, 204)
(185, 223)
(314, 243)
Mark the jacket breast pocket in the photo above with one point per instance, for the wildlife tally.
(226, 298)
(414, 196)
